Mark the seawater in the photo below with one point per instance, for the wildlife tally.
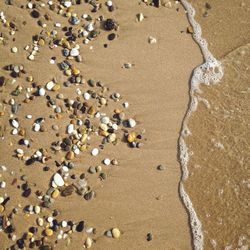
(214, 148)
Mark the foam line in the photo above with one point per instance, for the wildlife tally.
(210, 72)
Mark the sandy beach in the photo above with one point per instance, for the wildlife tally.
(93, 97)
(137, 198)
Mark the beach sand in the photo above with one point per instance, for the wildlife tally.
(137, 198)
(219, 141)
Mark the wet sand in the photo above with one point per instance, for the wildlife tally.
(219, 141)
(136, 197)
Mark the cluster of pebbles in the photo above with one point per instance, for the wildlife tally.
(93, 114)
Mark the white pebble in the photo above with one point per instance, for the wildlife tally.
(74, 52)
(107, 161)
(95, 151)
(14, 50)
(42, 92)
(109, 3)
(131, 123)
(2, 184)
(15, 123)
(105, 120)
(125, 105)
(64, 223)
(36, 127)
(28, 116)
(70, 128)
(86, 96)
(58, 180)
(14, 131)
(50, 85)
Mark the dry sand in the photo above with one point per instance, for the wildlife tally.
(136, 197)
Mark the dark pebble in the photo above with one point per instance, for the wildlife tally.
(111, 36)
(67, 191)
(149, 237)
(35, 14)
(80, 226)
(27, 193)
(109, 24)
(88, 196)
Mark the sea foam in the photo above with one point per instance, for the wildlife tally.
(210, 72)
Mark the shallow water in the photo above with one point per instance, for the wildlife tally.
(218, 145)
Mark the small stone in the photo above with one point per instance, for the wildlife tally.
(55, 127)
(80, 226)
(41, 42)
(107, 161)
(152, 40)
(15, 123)
(95, 151)
(50, 85)
(116, 233)
(149, 237)
(131, 123)
(74, 52)
(109, 24)
(2, 209)
(161, 167)
(190, 29)
(70, 155)
(14, 50)
(67, 191)
(70, 128)
(31, 57)
(131, 137)
(90, 195)
(55, 194)
(39, 222)
(37, 209)
(58, 180)
(88, 242)
(48, 232)
(92, 170)
(140, 17)
(41, 92)
(56, 87)
(105, 120)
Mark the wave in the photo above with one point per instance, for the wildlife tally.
(210, 72)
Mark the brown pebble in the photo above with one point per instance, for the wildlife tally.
(70, 155)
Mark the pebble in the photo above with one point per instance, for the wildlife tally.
(105, 120)
(37, 209)
(152, 40)
(70, 128)
(58, 180)
(48, 232)
(14, 50)
(15, 123)
(1, 209)
(140, 17)
(149, 237)
(50, 85)
(116, 233)
(74, 52)
(40, 222)
(107, 161)
(88, 242)
(80, 226)
(95, 151)
(55, 194)
(161, 167)
(42, 92)
(131, 123)
(36, 127)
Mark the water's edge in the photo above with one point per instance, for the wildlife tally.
(210, 72)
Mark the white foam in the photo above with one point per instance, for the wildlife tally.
(210, 72)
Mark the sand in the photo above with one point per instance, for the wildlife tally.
(136, 198)
(219, 163)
